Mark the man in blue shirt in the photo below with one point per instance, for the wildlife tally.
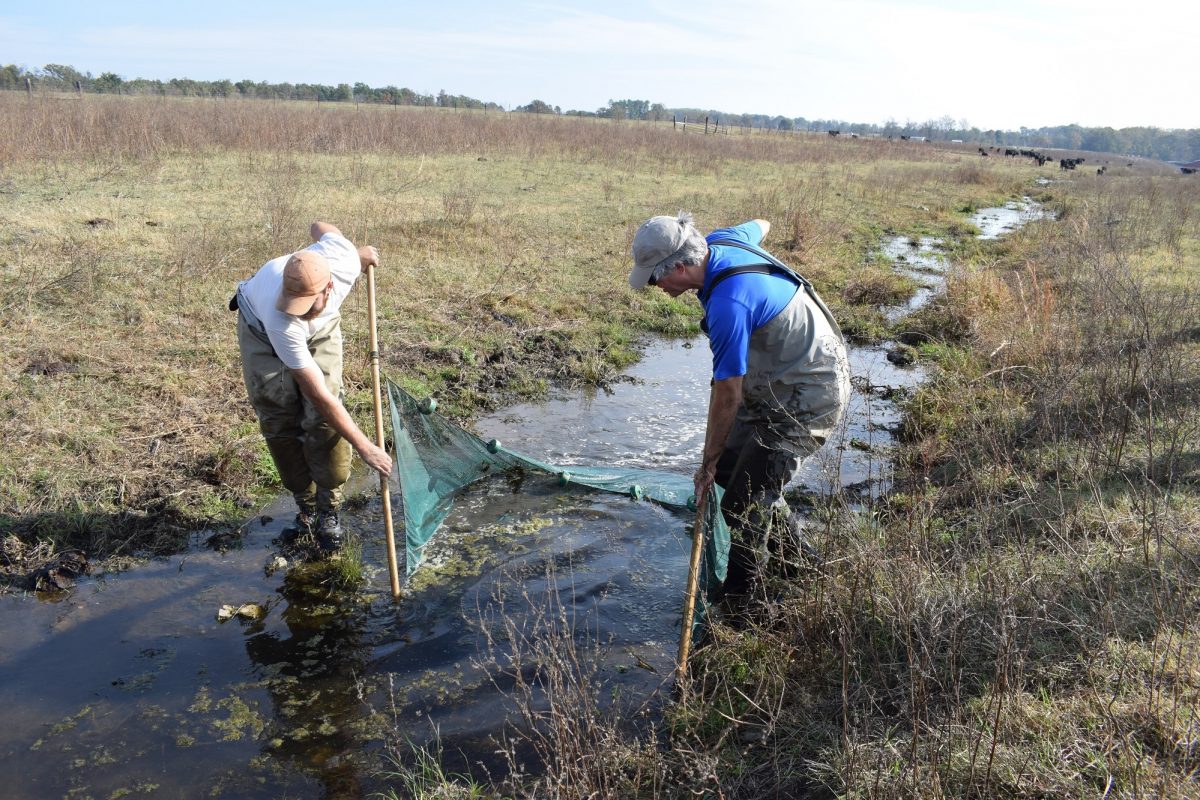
(780, 374)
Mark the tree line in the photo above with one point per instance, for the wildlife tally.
(1147, 141)
(1150, 142)
(65, 78)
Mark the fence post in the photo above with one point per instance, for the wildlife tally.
(706, 125)
(28, 86)
(672, 122)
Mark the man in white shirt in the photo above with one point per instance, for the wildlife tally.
(290, 337)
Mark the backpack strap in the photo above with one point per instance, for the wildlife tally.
(772, 266)
(760, 269)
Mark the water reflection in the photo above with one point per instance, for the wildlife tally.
(310, 667)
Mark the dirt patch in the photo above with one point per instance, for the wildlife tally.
(38, 568)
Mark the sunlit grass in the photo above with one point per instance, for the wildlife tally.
(505, 244)
(1015, 620)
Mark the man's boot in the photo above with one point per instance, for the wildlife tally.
(302, 526)
(329, 532)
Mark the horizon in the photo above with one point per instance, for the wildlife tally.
(1086, 64)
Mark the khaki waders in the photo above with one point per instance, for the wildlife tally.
(795, 390)
(312, 458)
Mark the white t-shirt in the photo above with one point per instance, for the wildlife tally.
(289, 335)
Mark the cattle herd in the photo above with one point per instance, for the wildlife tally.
(1040, 158)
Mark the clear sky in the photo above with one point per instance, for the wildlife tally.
(1006, 64)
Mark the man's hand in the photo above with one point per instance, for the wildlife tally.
(368, 257)
(703, 481)
(377, 459)
(723, 403)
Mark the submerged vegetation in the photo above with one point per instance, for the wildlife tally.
(1015, 620)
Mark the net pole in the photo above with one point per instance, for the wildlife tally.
(689, 596)
(384, 492)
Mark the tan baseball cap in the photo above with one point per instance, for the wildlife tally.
(305, 276)
(656, 239)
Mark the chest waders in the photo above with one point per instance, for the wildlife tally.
(795, 390)
(313, 460)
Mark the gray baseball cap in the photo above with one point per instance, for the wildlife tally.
(656, 239)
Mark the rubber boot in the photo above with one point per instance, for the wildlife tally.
(302, 526)
(329, 532)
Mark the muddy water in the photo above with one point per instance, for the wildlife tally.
(995, 222)
(921, 260)
(130, 686)
(657, 421)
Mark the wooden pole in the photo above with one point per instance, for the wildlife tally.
(383, 479)
(689, 595)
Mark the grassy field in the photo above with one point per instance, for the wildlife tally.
(129, 222)
(1015, 621)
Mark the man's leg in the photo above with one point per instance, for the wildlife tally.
(327, 454)
(278, 402)
(753, 474)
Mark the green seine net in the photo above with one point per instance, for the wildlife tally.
(436, 458)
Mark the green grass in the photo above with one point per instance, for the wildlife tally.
(419, 775)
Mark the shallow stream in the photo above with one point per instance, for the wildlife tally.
(129, 685)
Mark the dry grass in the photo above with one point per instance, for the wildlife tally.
(1019, 619)
(128, 222)
(1017, 622)
(156, 127)
(568, 740)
